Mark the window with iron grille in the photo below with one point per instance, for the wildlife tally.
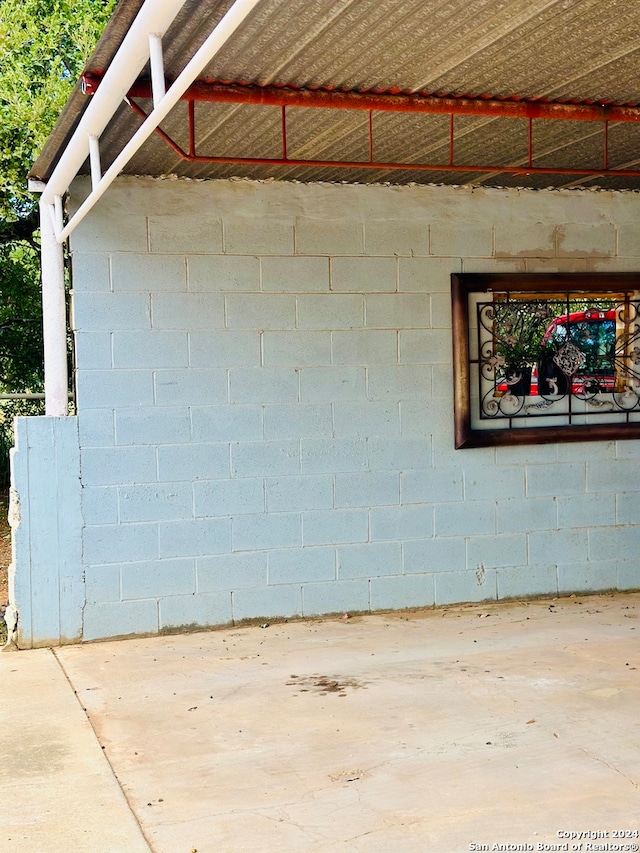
(542, 358)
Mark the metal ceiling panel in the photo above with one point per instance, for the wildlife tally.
(237, 130)
(575, 51)
(557, 49)
(576, 144)
(317, 134)
(411, 137)
(494, 142)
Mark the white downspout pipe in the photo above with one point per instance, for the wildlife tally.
(54, 316)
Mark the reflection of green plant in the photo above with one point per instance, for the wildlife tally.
(519, 329)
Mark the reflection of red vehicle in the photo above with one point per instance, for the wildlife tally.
(581, 345)
(592, 334)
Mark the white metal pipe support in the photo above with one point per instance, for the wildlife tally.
(54, 316)
(156, 61)
(94, 160)
(57, 214)
(155, 16)
(217, 38)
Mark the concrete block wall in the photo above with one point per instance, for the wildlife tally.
(264, 392)
(46, 576)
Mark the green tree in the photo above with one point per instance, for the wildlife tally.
(43, 47)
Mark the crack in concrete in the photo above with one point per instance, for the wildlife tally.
(606, 763)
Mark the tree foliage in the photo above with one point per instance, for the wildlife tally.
(20, 318)
(43, 47)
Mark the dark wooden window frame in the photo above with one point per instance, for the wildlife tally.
(462, 285)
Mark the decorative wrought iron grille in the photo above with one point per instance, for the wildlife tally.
(546, 357)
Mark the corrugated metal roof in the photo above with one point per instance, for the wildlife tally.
(576, 51)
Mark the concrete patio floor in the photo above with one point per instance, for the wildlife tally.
(509, 726)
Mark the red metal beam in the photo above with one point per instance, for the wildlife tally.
(415, 103)
(192, 157)
(284, 98)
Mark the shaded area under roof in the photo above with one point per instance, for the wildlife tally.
(571, 51)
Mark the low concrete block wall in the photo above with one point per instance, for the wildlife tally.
(46, 583)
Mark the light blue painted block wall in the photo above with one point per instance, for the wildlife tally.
(265, 405)
(47, 576)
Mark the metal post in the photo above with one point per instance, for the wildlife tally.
(156, 61)
(54, 316)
